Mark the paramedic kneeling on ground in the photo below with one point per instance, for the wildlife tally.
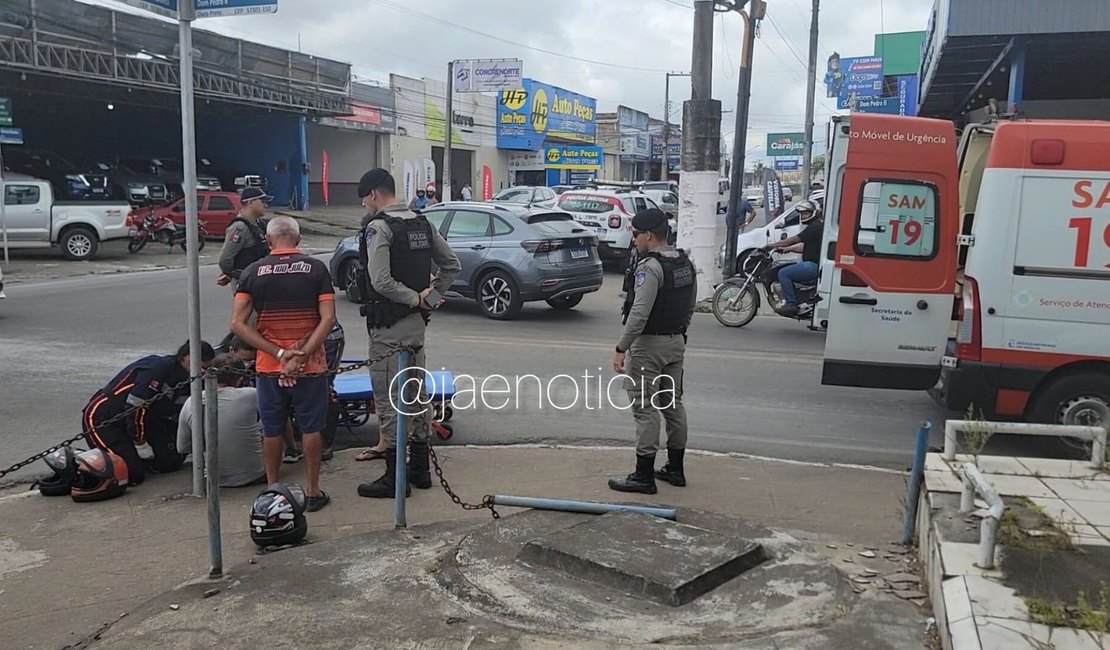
(397, 248)
(145, 437)
(806, 270)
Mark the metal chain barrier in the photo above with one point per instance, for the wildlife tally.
(173, 389)
(487, 500)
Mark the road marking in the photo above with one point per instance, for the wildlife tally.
(798, 358)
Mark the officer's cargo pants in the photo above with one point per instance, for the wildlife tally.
(409, 331)
(654, 366)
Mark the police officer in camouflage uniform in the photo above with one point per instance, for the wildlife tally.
(245, 237)
(658, 306)
(397, 248)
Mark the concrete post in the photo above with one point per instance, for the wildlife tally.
(807, 153)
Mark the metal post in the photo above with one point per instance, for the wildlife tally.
(212, 471)
(447, 134)
(740, 138)
(187, 13)
(402, 478)
(586, 507)
(3, 214)
(916, 476)
(701, 160)
(666, 168)
(807, 153)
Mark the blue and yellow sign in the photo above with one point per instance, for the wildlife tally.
(576, 157)
(537, 112)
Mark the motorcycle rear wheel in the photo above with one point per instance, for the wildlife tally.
(200, 245)
(746, 303)
(136, 244)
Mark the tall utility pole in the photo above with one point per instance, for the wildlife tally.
(740, 138)
(701, 162)
(807, 153)
(667, 125)
(446, 187)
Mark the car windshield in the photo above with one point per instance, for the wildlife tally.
(586, 204)
(514, 196)
(169, 164)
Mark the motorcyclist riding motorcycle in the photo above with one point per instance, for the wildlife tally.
(809, 243)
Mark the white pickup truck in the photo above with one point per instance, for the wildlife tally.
(35, 220)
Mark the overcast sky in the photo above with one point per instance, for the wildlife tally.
(614, 50)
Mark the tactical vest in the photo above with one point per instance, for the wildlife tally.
(410, 263)
(248, 255)
(671, 312)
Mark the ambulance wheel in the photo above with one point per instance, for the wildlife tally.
(444, 431)
(1077, 399)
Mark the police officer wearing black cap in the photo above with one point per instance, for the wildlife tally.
(658, 306)
(397, 248)
(245, 237)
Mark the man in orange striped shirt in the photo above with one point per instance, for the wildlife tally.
(293, 297)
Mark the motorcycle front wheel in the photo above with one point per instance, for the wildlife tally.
(735, 303)
(136, 244)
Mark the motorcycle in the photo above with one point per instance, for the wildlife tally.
(161, 229)
(736, 301)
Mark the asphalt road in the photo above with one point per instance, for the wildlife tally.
(754, 390)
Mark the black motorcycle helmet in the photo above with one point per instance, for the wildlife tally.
(277, 516)
(63, 463)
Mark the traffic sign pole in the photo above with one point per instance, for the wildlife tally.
(446, 187)
(186, 15)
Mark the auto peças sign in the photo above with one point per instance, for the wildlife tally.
(536, 112)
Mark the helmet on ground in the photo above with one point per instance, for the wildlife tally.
(101, 474)
(63, 463)
(277, 516)
(804, 207)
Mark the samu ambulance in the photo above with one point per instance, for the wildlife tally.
(1014, 221)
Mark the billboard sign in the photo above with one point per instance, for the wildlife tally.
(862, 77)
(904, 103)
(786, 164)
(674, 149)
(218, 8)
(5, 111)
(167, 8)
(11, 135)
(631, 120)
(635, 146)
(579, 157)
(535, 112)
(488, 75)
(785, 144)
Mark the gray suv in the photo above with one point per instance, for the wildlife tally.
(510, 255)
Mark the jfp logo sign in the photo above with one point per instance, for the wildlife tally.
(785, 144)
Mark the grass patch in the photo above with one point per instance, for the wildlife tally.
(1084, 614)
(1023, 515)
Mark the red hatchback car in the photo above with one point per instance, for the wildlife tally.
(215, 209)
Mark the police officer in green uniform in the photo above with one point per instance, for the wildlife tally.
(245, 237)
(659, 303)
(397, 248)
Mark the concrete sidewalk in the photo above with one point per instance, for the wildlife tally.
(335, 221)
(68, 570)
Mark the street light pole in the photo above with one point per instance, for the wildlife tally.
(807, 153)
(740, 139)
(667, 126)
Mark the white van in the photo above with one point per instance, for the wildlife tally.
(1033, 315)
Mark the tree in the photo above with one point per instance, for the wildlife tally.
(818, 162)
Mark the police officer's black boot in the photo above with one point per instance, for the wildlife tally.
(384, 487)
(420, 474)
(672, 471)
(642, 480)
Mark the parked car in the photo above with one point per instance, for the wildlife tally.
(126, 184)
(35, 219)
(215, 209)
(608, 213)
(68, 181)
(530, 196)
(510, 255)
(236, 180)
(659, 186)
(787, 193)
(169, 171)
(754, 195)
(666, 200)
(786, 225)
(559, 189)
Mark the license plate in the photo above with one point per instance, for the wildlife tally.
(579, 253)
(98, 190)
(603, 231)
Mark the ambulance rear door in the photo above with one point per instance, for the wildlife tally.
(892, 280)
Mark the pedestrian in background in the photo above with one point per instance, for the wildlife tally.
(293, 296)
(245, 237)
(419, 203)
(398, 248)
(657, 311)
(467, 193)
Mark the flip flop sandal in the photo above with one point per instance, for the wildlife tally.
(314, 504)
(370, 454)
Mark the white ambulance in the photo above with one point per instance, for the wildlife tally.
(1033, 240)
